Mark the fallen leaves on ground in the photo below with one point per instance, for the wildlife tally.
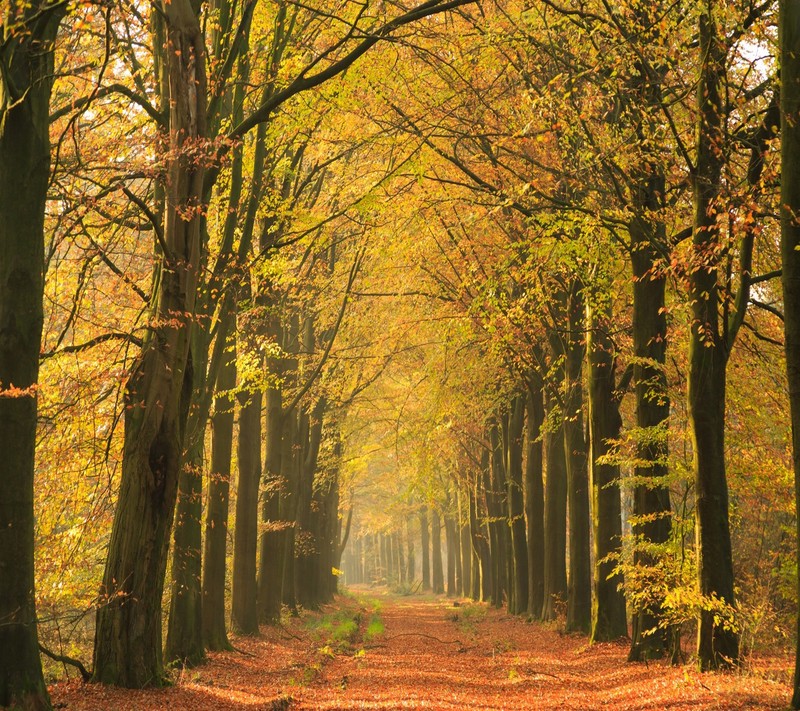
(432, 655)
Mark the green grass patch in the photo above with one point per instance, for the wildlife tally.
(467, 617)
(375, 628)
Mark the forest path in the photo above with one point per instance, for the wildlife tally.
(432, 654)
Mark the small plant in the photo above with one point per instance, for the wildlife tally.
(374, 629)
(467, 617)
(501, 646)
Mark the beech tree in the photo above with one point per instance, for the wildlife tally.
(26, 65)
(790, 244)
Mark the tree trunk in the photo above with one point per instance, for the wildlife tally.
(466, 547)
(482, 572)
(426, 548)
(127, 649)
(579, 592)
(716, 645)
(436, 559)
(185, 626)
(555, 522)
(26, 66)
(534, 497)
(452, 551)
(609, 617)
(651, 521)
(495, 492)
(290, 463)
(184, 630)
(411, 571)
(270, 569)
(215, 633)
(244, 610)
(790, 247)
(516, 505)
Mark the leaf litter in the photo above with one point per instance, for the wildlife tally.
(434, 653)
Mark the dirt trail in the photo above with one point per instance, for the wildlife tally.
(432, 655)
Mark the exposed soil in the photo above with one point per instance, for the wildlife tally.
(432, 655)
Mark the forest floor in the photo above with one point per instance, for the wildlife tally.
(373, 650)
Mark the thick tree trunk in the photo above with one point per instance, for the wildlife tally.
(716, 645)
(609, 617)
(579, 593)
(534, 497)
(652, 521)
(185, 627)
(215, 634)
(244, 610)
(26, 65)
(127, 648)
(184, 630)
(790, 246)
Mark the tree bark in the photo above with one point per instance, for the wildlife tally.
(609, 617)
(410, 558)
(717, 646)
(516, 505)
(579, 587)
(127, 648)
(495, 493)
(482, 572)
(466, 547)
(26, 65)
(436, 558)
(790, 246)
(244, 609)
(215, 634)
(534, 497)
(555, 522)
(652, 521)
(184, 629)
(452, 551)
(426, 548)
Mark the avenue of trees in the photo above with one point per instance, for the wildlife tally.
(499, 299)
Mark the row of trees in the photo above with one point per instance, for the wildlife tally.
(489, 279)
(209, 180)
